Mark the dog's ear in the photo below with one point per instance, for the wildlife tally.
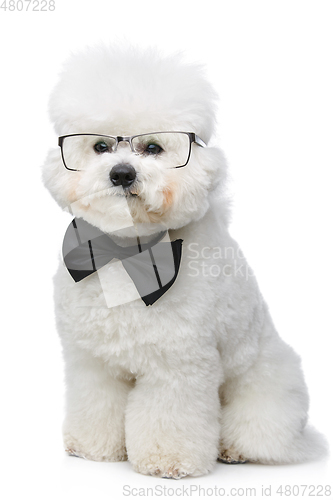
(57, 179)
(214, 163)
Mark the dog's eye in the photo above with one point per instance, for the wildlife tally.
(101, 147)
(153, 149)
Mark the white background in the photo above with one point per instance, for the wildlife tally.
(271, 63)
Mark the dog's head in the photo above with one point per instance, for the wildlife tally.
(139, 156)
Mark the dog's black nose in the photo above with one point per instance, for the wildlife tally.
(122, 175)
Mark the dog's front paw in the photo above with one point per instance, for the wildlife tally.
(90, 451)
(230, 456)
(168, 467)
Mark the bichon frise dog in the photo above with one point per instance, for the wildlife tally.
(171, 356)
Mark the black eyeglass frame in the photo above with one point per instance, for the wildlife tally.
(191, 135)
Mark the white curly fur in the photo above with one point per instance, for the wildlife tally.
(202, 373)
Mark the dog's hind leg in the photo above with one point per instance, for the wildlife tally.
(264, 410)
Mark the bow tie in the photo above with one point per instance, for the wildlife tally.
(153, 267)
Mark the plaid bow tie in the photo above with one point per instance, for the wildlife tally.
(153, 267)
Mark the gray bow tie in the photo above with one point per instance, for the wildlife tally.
(153, 267)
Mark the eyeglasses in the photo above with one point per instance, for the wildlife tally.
(167, 149)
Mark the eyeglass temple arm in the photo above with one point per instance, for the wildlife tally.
(199, 141)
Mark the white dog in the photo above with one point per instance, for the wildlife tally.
(178, 375)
